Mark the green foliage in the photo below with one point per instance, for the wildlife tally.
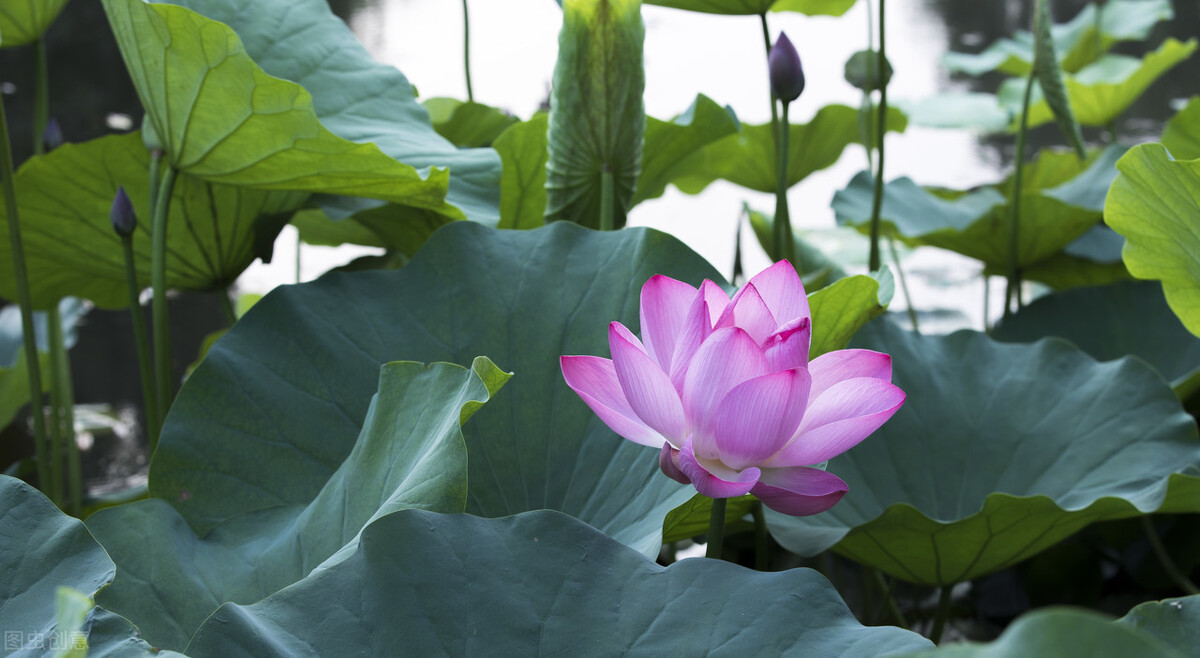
(467, 124)
(1174, 621)
(522, 150)
(840, 309)
(669, 144)
(1153, 203)
(538, 582)
(1049, 76)
(1181, 135)
(1040, 442)
(24, 22)
(14, 382)
(752, 7)
(816, 269)
(691, 518)
(597, 120)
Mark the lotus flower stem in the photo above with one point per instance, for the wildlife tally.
(785, 246)
(761, 545)
(1014, 270)
(41, 96)
(1164, 559)
(880, 130)
(149, 397)
(737, 247)
(62, 396)
(912, 312)
(467, 50)
(888, 597)
(943, 611)
(158, 279)
(26, 304)
(606, 199)
(767, 42)
(716, 529)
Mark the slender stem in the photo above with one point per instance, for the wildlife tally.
(1164, 559)
(716, 529)
(23, 299)
(737, 246)
(57, 439)
(154, 176)
(761, 546)
(149, 397)
(943, 611)
(467, 50)
(299, 244)
(64, 416)
(912, 312)
(1014, 270)
(987, 294)
(606, 199)
(41, 96)
(767, 42)
(868, 103)
(158, 279)
(785, 245)
(886, 588)
(880, 131)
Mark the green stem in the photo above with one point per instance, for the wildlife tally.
(606, 199)
(737, 246)
(886, 588)
(41, 96)
(467, 50)
(1014, 271)
(785, 245)
(299, 244)
(912, 312)
(761, 545)
(943, 611)
(62, 389)
(149, 399)
(868, 102)
(987, 293)
(880, 130)
(1164, 559)
(767, 42)
(158, 279)
(57, 436)
(716, 529)
(24, 301)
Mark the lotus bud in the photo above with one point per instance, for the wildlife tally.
(122, 216)
(787, 77)
(52, 136)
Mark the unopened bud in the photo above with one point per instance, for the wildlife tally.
(787, 78)
(124, 220)
(52, 136)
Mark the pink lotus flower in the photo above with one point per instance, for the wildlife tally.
(725, 389)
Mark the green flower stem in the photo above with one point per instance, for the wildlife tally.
(41, 96)
(57, 436)
(158, 279)
(737, 246)
(63, 411)
(1014, 270)
(767, 42)
(880, 131)
(761, 545)
(785, 246)
(149, 397)
(23, 299)
(606, 199)
(889, 598)
(1164, 559)
(716, 529)
(912, 312)
(943, 611)
(467, 50)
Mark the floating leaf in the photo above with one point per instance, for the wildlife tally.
(24, 22)
(467, 124)
(1000, 451)
(1174, 621)
(522, 149)
(536, 446)
(225, 120)
(748, 157)
(955, 109)
(410, 453)
(597, 121)
(1049, 76)
(1181, 135)
(71, 248)
(516, 587)
(669, 143)
(1153, 203)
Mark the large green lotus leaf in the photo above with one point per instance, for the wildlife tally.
(1077, 40)
(1181, 135)
(753, 7)
(522, 149)
(467, 124)
(1000, 451)
(1155, 204)
(597, 119)
(316, 228)
(24, 21)
(538, 583)
(840, 309)
(1109, 322)
(222, 118)
(747, 158)
(1174, 621)
(356, 97)
(1101, 91)
(1055, 632)
(669, 143)
(958, 109)
(522, 297)
(410, 453)
(70, 245)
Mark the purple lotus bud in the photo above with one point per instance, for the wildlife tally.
(787, 78)
(124, 220)
(52, 136)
